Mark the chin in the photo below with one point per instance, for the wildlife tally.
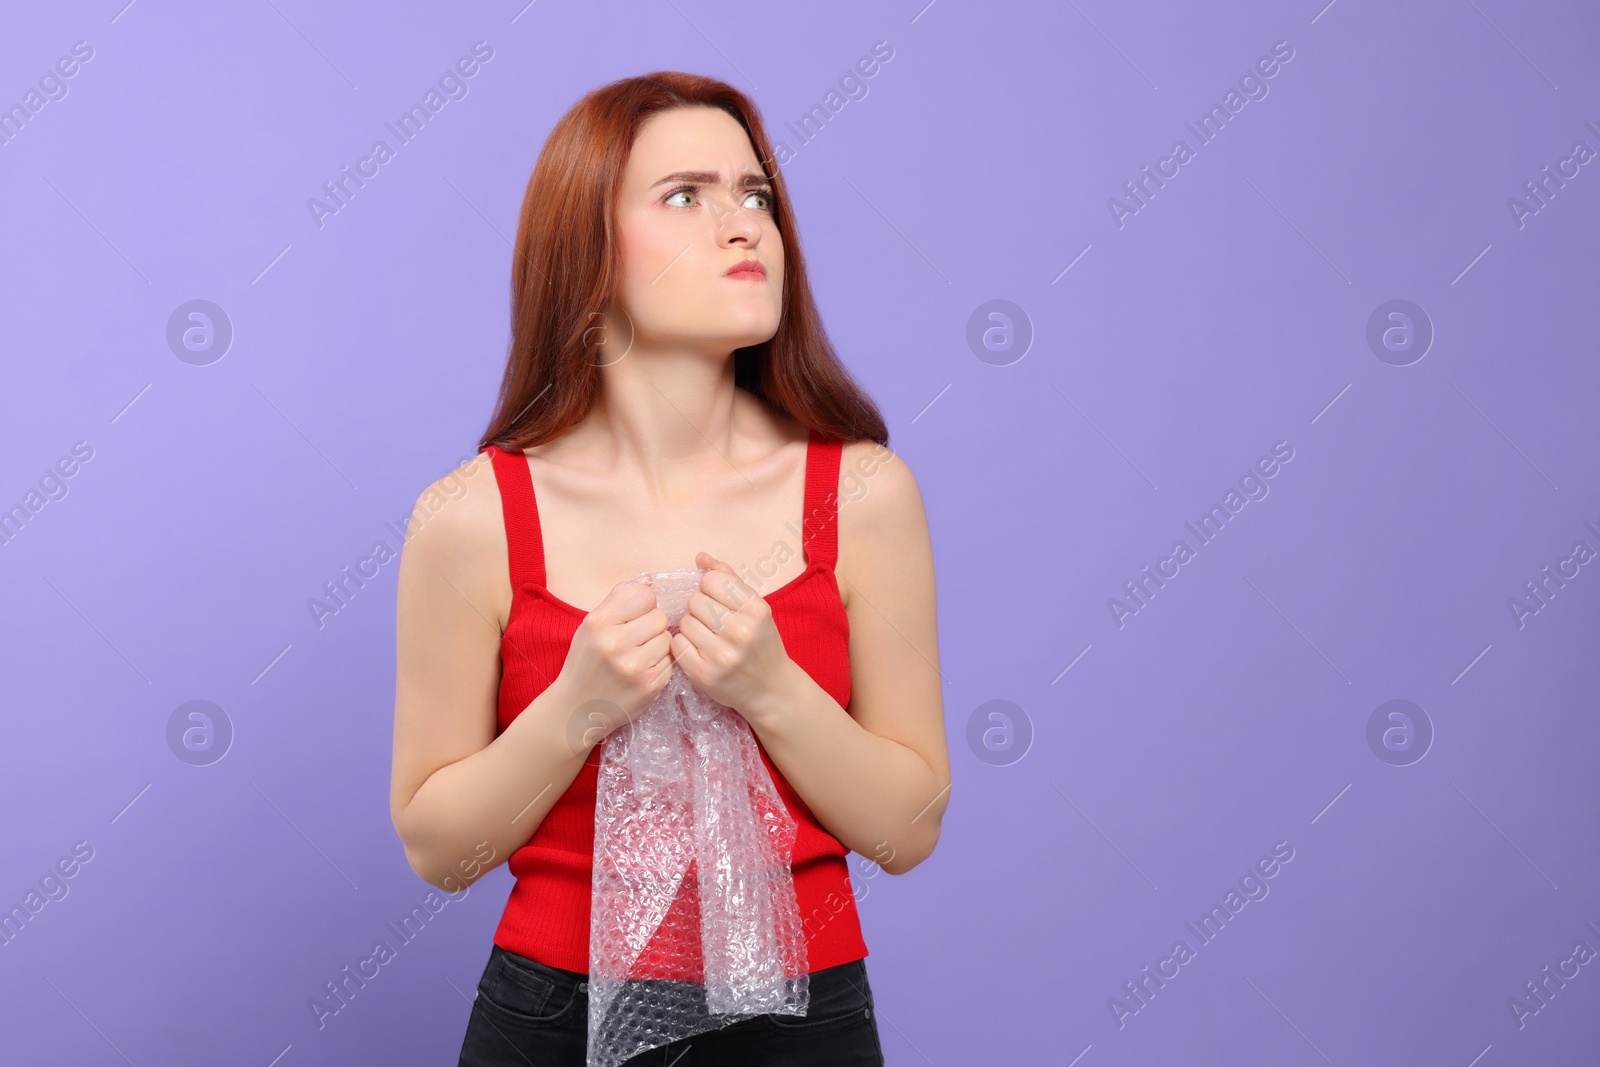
(716, 327)
(742, 331)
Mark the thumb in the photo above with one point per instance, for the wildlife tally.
(712, 563)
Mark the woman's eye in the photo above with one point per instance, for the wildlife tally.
(764, 198)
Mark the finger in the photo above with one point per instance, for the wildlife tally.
(627, 601)
(712, 614)
(712, 563)
(725, 587)
(646, 627)
(663, 667)
(699, 636)
(687, 656)
(658, 647)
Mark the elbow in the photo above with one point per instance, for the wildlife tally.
(445, 879)
(903, 864)
(420, 859)
(902, 859)
(407, 842)
(421, 868)
(420, 863)
(451, 876)
(911, 848)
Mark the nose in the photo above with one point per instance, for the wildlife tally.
(734, 223)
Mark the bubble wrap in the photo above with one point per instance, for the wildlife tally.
(692, 849)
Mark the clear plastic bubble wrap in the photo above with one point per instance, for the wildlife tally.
(692, 849)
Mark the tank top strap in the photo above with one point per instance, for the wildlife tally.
(524, 538)
(822, 499)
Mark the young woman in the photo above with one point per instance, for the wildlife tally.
(673, 397)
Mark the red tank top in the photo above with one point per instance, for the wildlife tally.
(546, 917)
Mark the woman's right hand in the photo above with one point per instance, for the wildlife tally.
(620, 658)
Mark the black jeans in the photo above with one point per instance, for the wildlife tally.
(526, 1014)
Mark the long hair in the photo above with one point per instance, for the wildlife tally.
(564, 271)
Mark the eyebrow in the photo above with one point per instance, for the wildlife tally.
(711, 177)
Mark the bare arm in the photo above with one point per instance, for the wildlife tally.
(878, 777)
(463, 799)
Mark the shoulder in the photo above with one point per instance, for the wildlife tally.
(882, 519)
(877, 484)
(457, 521)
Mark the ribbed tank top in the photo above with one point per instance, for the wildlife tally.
(546, 916)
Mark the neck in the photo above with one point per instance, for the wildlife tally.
(665, 414)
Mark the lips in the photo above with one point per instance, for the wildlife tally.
(748, 269)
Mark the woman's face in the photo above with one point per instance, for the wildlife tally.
(694, 203)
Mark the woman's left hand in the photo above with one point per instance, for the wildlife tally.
(728, 644)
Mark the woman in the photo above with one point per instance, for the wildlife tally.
(671, 394)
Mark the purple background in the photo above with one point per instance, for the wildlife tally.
(1167, 754)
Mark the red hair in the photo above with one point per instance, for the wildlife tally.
(564, 271)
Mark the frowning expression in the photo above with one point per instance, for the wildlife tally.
(693, 206)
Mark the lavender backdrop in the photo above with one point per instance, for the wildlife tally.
(1351, 325)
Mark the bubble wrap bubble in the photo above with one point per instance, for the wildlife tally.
(692, 850)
